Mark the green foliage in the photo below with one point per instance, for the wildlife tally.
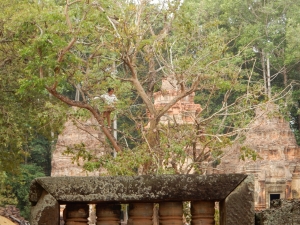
(25, 103)
(40, 151)
(19, 185)
(217, 216)
(128, 162)
(78, 151)
(209, 47)
(248, 153)
(6, 193)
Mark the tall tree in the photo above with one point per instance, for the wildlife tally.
(263, 26)
(22, 111)
(89, 46)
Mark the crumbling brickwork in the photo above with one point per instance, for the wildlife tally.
(277, 168)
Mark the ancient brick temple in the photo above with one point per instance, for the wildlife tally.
(183, 112)
(74, 135)
(277, 171)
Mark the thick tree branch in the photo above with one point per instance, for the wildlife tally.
(95, 113)
(149, 104)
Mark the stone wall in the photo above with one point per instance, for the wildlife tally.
(280, 212)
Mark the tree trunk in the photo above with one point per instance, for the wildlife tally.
(284, 76)
(268, 77)
(152, 139)
(77, 94)
(263, 65)
(152, 135)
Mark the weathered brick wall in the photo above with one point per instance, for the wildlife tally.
(277, 169)
(76, 133)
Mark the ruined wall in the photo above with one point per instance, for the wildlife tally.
(76, 133)
(281, 212)
(277, 171)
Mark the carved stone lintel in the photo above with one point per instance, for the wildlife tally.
(203, 212)
(145, 188)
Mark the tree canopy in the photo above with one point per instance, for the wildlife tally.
(235, 55)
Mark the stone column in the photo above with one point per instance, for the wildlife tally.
(261, 195)
(108, 214)
(203, 212)
(170, 213)
(140, 214)
(288, 189)
(76, 214)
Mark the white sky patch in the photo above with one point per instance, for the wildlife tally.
(161, 2)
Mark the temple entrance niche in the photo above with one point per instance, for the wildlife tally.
(274, 196)
(275, 191)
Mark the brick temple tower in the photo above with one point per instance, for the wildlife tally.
(277, 170)
(183, 112)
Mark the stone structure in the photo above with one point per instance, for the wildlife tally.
(281, 212)
(233, 191)
(183, 112)
(75, 134)
(277, 170)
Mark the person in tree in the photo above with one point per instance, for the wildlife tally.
(110, 100)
